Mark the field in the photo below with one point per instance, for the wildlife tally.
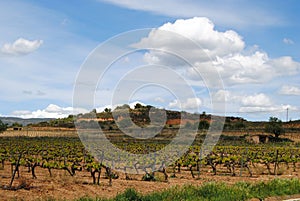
(53, 164)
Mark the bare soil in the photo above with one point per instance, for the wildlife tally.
(62, 186)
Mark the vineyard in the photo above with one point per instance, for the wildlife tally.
(69, 155)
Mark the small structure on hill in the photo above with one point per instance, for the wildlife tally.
(17, 128)
(258, 138)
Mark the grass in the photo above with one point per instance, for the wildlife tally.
(214, 192)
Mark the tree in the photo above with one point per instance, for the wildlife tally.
(16, 124)
(239, 125)
(138, 106)
(107, 110)
(3, 126)
(203, 124)
(274, 126)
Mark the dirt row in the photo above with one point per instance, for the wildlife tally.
(62, 186)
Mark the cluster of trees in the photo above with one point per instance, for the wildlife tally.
(3, 126)
(140, 116)
(67, 122)
(274, 126)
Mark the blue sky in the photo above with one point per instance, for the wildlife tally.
(44, 43)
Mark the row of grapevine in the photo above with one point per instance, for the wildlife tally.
(70, 155)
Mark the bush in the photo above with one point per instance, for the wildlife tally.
(148, 177)
(128, 195)
(3, 126)
(203, 124)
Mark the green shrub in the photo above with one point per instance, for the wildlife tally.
(128, 195)
(241, 191)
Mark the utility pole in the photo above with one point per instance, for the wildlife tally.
(287, 114)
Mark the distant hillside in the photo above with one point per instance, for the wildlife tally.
(140, 115)
(24, 122)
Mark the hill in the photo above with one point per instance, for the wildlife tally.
(140, 115)
(24, 122)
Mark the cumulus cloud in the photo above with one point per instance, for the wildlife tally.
(202, 31)
(288, 41)
(285, 66)
(211, 43)
(245, 103)
(20, 47)
(51, 111)
(223, 52)
(242, 69)
(290, 90)
(270, 110)
(189, 104)
(256, 100)
(255, 68)
(256, 106)
(261, 104)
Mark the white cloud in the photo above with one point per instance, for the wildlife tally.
(241, 69)
(202, 31)
(285, 66)
(21, 47)
(290, 90)
(267, 109)
(198, 29)
(256, 100)
(189, 104)
(51, 111)
(222, 52)
(288, 41)
(256, 106)
(256, 67)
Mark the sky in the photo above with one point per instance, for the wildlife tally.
(242, 55)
